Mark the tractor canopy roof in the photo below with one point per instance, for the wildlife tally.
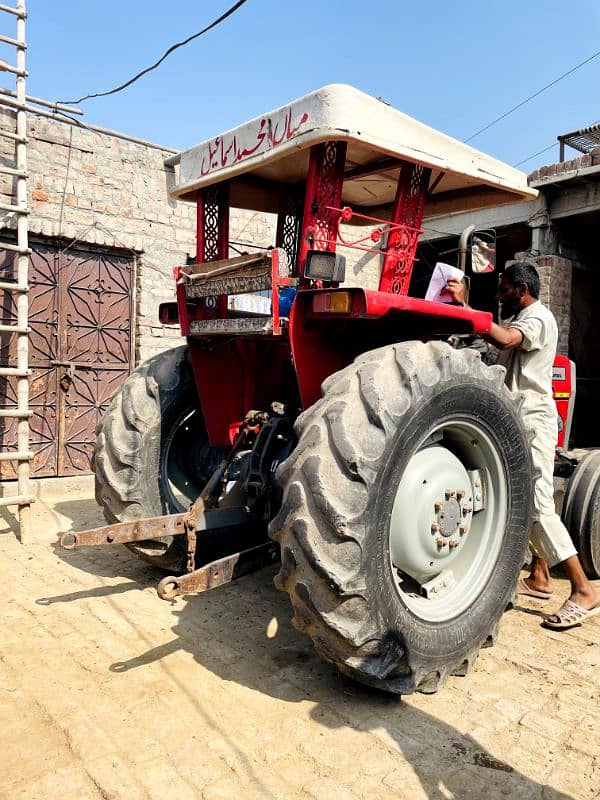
(265, 157)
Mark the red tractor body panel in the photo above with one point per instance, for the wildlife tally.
(249, 372)
(323, 342)
(352, 177)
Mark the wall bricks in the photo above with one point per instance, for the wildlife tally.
(555, 276)
(555, 291)
(562, 167)
(99, 190)
(102, 190)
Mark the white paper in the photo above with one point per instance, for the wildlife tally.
(442, 273)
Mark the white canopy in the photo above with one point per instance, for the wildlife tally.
(268, 154)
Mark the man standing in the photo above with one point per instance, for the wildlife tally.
(531, 338)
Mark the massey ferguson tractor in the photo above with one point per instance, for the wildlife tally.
(347, 430)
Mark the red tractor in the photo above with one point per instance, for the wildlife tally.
(391, 470)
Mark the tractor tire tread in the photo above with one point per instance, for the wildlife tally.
(122, 487)
(327, 478)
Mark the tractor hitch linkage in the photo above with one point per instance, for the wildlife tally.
(154, 528)
(201, 517)
(219, 572)
(209, 576)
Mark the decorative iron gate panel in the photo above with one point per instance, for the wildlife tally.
(95, 348)
(80, 352)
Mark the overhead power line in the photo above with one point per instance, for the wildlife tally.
(550, 146)
(539, 153)
(531, 97)
(168, 52)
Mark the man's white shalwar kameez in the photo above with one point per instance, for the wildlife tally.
(529, 371)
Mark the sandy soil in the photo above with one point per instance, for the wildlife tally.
(108, 692)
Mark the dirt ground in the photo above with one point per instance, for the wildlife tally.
(108, 692)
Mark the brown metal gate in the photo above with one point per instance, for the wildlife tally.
(79, 352)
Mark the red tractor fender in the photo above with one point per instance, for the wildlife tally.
(324, 340)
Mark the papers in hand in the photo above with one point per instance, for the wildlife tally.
(442, 273)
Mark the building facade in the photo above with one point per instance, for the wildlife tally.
(104, 236)
(557, 232)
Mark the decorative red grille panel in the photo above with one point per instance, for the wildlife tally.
(407, 213)
(323, 196)
(212, 239)
(288, 229)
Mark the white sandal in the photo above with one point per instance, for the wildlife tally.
(569, 615)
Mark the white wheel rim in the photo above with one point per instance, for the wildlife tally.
(453, 562)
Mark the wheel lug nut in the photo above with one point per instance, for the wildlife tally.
(440, 543)
(449, 493)
(437, 507)
(452, 544)
(460, 494)
(462, 529)
(466, 510)
(434, 527)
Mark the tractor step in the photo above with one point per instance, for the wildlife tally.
(219, 572)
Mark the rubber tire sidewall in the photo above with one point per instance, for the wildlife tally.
(581, 512)
(339, 487)
(168, 385)
(433, 642)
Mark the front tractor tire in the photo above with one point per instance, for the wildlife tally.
(152, 455)
(406, 514)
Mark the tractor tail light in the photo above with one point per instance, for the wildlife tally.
(332, 302)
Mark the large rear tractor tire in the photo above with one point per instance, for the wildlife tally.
(152, 454)
(406, 514)
(581, 512)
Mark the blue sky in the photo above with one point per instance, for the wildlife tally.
(454, 65)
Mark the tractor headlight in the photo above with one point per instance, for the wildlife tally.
(321, 265)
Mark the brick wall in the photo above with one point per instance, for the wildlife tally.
(103, 190)
(562, 167)
(555, 277)
(106, 191)
(248, 228)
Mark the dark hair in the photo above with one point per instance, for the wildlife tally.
(523, 272)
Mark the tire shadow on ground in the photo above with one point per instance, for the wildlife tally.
(242, 632)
